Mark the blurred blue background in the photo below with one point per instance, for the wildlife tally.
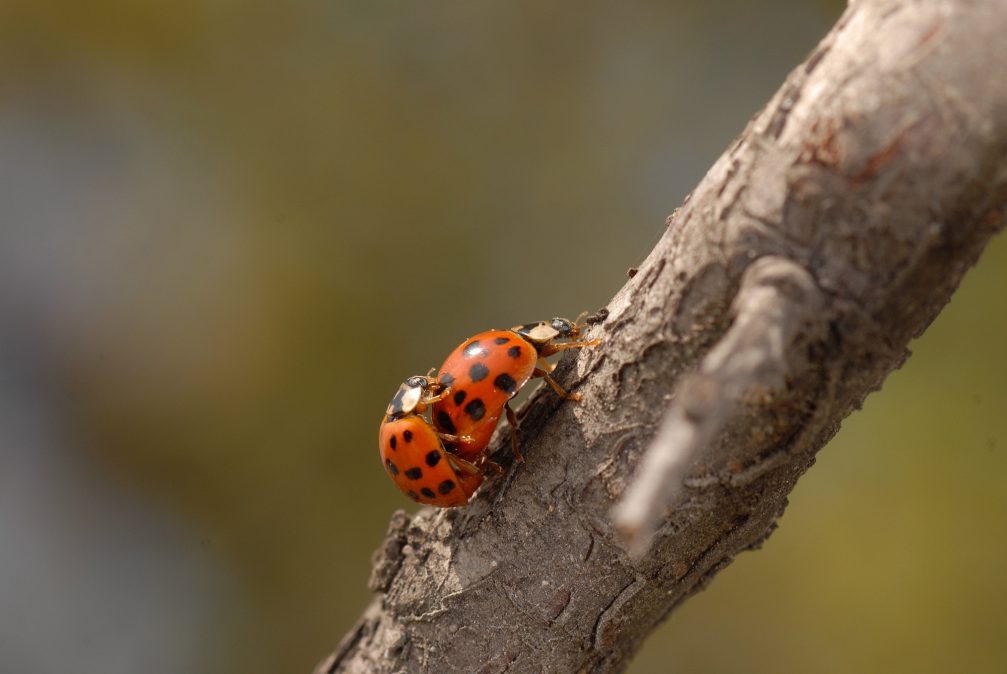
(229, 230)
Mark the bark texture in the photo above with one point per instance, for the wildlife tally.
(864, 190)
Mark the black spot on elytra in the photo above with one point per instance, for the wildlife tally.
(476, 409)
(447, 379)
(413, 495)
(407, 436)
(433, 458)
(459, 397)
(414, 473)
(428, 492)
(478, 372)
(392, 442)
(502, 340)
(514, 352)
(473, 350)
(505, 383)
(446, 486)
(392, 468)
(444, 421)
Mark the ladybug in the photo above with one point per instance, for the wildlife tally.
(413, 452)
(489, 369)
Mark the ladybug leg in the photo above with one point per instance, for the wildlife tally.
(464, 466)
(475, 468)
(539, 372)
(512, 420)
(492, 465)
(551, 348)
(456, 439)
(433, 398)
(543, 366)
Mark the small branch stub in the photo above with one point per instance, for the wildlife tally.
(777, 303)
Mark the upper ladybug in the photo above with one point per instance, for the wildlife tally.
(489, 369)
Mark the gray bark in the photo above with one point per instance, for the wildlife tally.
(865, 189)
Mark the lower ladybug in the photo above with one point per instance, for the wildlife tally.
(413, 452)
(489, 369)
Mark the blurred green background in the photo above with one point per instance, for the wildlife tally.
(229, 230)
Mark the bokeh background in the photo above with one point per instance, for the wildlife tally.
(228, 230)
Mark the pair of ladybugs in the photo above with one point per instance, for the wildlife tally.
(444, 463)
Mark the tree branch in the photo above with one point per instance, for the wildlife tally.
(836, 226)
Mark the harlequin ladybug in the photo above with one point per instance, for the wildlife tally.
(489, 369)
(413, 453)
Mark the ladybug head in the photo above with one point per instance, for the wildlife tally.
(566, 329)
(418, 381)
(409, 396)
